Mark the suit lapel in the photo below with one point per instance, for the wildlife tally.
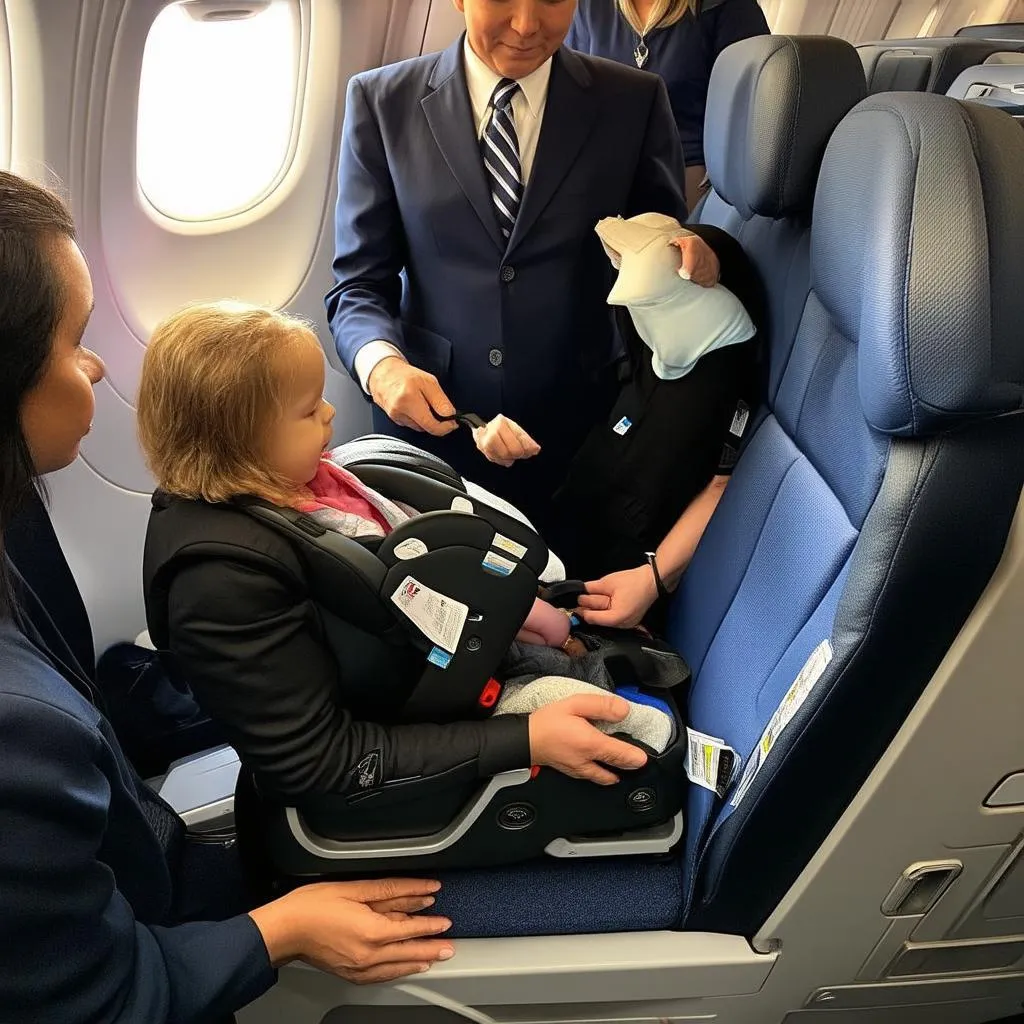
(569, 116)
(450, 116)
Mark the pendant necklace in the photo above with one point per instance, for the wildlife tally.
(641, 53)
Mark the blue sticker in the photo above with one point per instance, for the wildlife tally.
(622, 426)
(498, 564)
(439, 657)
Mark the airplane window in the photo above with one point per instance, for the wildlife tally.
(217, 101)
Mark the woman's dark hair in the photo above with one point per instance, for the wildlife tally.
(31, 302)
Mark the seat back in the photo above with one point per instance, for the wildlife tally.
(1003, 32)
(773, 102)
(922, 65)
(874, 498)
(993, 85)
(1004, 57)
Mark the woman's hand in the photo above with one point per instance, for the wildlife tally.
(562, 737)
(620, 599)
(361, 931)
(503, 441)
(699, 262)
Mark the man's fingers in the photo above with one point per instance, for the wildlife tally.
(595, 773)
(620, 755)
(421, 411)
(436, 398)
(597, 707)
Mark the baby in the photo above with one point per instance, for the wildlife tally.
(271, 422)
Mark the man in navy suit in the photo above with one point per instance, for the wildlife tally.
(468, 275)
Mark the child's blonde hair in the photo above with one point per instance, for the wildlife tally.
(209, 394)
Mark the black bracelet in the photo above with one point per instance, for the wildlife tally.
(652, 561)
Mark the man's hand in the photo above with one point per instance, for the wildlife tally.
(503, 441)
(699, 262)
(562, 737)
(408, 394)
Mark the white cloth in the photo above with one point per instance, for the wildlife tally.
(678, 320)
(527, 108)
(644, 723)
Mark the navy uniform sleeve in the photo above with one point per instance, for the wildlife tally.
(658, 182)
(369, 240)
(244, 641)
(70, 946)
(734, 20)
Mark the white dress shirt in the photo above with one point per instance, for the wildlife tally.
(528, 111)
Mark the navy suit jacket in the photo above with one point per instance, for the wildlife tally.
(86, 892)
(420, 261)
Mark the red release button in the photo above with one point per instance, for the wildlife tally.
(490, 694)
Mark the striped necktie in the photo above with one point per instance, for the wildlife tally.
(500, 148)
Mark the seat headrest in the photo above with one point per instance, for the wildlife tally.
(772, 103)
(918, 217)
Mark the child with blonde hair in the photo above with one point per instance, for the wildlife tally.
(231, 404)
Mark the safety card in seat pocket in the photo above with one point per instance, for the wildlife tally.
(439, 618)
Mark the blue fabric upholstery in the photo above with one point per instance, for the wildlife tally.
(927, 357)
(773, 102)
(904, 332)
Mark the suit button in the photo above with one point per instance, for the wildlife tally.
(495, 357)
(508, 274)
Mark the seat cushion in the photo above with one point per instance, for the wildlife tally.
(559, 897)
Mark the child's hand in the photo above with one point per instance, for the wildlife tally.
(503, 441)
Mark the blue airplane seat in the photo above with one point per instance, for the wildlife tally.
(863, 521)
(773, 103)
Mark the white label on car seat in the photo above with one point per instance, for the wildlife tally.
(623, 426)
(439, 618)
(710, 762)
(510, 547)
(461, 504)
(805, 681)
(498, 564)
(739, 420)
(411, 548)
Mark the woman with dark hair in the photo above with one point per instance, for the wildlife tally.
(677, 39)
(91, 860)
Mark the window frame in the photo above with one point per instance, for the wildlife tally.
(232, 217)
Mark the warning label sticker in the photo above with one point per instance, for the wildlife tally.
(440, 618)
